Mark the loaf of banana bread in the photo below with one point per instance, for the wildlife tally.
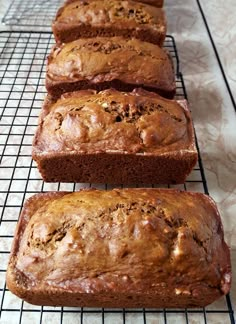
(103, 62)
(81, 19)
(120, 248)
(114, 137)
(155, 3)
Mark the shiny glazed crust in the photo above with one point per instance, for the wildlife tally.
(120, 248)
(82, 19)
(114, 137)
(104, 62)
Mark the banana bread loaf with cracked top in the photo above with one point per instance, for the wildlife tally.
(114, 137)
(102, 62)
(120, 248)
(82, 19)
(155, 3)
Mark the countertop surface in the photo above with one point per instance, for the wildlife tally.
(212, 107)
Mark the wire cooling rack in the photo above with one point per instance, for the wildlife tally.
(31, 12)
(22, 74)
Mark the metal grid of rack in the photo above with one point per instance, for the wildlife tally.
(22, 73)
(31, 12)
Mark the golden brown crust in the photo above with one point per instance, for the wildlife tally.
(103, 62)
(154, 248)
(82, 19)
(136, 122)
(97, 132)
